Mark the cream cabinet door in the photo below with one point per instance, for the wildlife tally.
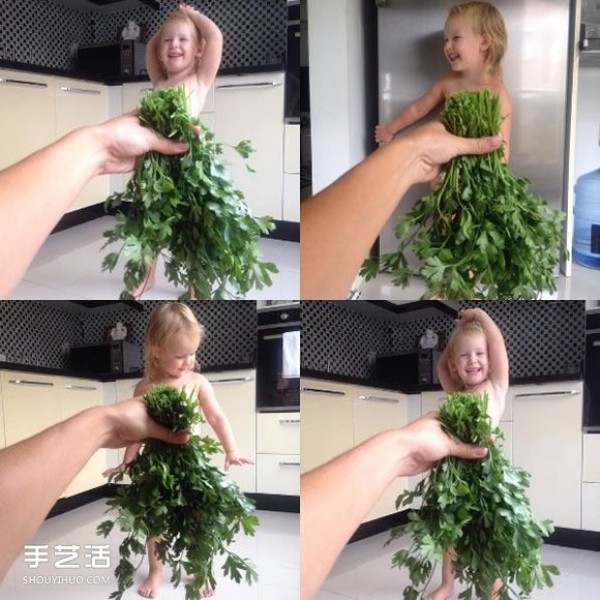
(80, 103)
(250, 107)
(78, 395)
(27, 114)
(125, 388)
(236, 394)
(375, 411)
(278, 474)
(547, 442)
(31, 403)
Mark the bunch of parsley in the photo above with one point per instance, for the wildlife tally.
(187, 208)
(177, 494)
(479, 511)
(480, 233)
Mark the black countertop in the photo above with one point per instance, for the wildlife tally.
(417, 389)
(29, 68)
(104, 377)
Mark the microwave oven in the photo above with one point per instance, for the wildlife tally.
(119, 59)
(418, 367)
(116, 357)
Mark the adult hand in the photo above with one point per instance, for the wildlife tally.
(129, 423)
(427, 444)
(123, 140)
(433, 147)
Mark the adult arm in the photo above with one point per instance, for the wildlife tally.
(37, 470)
(35, 192)
(340, 223)
(337, 496)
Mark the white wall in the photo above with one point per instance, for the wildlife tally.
(587, 133)
(337, 94)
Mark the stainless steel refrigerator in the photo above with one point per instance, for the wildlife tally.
(535, 68)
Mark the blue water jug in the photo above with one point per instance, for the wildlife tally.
(586, 235)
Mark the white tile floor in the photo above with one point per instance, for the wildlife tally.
(274, 550)
(364, 572)
(584, 284)
(68, 267)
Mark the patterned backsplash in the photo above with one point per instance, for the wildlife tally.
(39, 333)
(542, 337)
(47, 33)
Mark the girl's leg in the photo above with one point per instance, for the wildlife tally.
(150, 587)
(446, 589)
(148, 282)
(497, 589)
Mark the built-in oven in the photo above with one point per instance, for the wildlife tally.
(278, 359)
(591, 393)
(292, 64)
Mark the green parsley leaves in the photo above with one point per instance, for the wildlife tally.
(187, 208)
(177, 494)
(479, 511)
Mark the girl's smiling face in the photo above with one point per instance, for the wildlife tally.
(179, 47)
(178, 355)
(470, 360)
(463, 48)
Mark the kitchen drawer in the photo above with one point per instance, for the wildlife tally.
(125, 388)
(292, 149)
(591, 458)
(291, 197)
(278, 474)
(590, 514)
(278, 433)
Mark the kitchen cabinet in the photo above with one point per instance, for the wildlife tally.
(33, 402)
(250, 107)
(590, 488)
(27, 119)
(78, 395)
(547, 442)
(291, 173)
(278, 453)
(80, 103)
(327, 421)
(236, 394)
(377, 410)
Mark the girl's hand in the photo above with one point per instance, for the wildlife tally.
(232, 458)
(382, 134)
(113, 471)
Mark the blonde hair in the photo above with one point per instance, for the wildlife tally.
(469, 328)
(178, 16)
(485, 20)
(165, 321)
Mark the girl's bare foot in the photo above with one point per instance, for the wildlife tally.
(206, 592)
(148, 281)
(444, 592)
(150, 587)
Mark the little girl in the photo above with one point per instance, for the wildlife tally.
(172, 339)
(474, 45)
(475, 360)
(186, 51)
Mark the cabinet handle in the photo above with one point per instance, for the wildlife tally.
(289, 421)
(379, 399)
(23, 82)
(74, 90)
(29, 382)
(324, 392)
(232, 380)
(288, 463)
(262, 84)
(559, 393)
(90, 388)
